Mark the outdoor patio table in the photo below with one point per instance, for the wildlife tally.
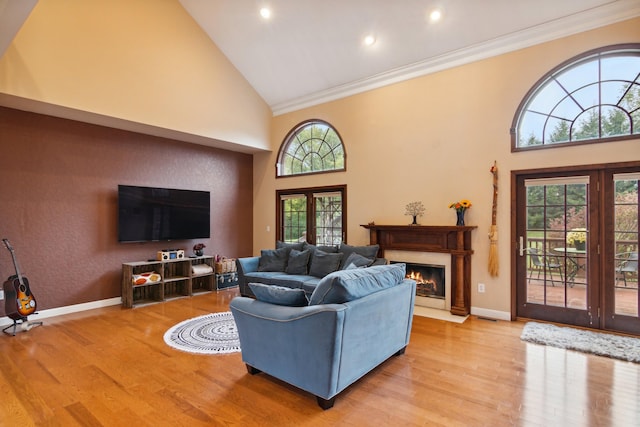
(573, 266)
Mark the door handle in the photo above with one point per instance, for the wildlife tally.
(521, 245)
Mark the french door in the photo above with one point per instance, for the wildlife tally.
(576, 244)
(313, 215)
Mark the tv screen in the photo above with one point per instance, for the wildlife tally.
(156, 214)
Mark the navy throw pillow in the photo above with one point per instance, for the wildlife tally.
(273, 259)
(297, 263)
(324, 263)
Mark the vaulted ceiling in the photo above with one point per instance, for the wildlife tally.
(309, 52)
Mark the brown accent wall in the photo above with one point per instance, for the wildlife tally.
(58, 201)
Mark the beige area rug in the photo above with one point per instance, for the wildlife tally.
(599, 343)
(436, 313)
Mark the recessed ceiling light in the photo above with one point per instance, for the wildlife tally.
(435, 15)
(369, 40)
(265, 12)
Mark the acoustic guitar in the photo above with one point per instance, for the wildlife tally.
(19, 301)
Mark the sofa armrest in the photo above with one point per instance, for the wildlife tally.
(244, 266)
(299, 345)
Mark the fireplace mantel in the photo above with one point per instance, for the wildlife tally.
(454, 240)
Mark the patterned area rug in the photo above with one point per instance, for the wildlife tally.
(214, 333)
(601, 344)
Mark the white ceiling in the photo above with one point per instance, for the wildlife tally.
(311, 51)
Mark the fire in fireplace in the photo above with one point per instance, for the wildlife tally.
(429, 279)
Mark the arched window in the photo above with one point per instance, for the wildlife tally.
(594, 97)
(313, 146)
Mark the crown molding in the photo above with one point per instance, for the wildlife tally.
(608, 14)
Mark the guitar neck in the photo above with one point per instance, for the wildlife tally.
(15, 260)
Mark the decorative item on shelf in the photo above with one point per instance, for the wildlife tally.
(198, 249)
(224, 264)
(145, 278)
(460, 208)
(577, 238)
(414, 209)
(169, 254)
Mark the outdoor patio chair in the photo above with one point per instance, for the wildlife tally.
(542, 261)
(628, 264)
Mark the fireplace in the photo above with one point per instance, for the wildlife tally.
(450, 242)
(432, 273)
(430, 279)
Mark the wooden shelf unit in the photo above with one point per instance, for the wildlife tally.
(176, 280)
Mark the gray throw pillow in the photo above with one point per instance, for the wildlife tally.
(273, 259)
(356, 261)
(296, 246)
(324, 263)
(369, 251)
(279, 295)
(298, 261)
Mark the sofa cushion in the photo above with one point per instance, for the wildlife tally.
(355, 260)
(298, 261)
(273, 259)
(313, 248)
(369, 251)
(324, 263)
(347, 285)
(297, 246)
(310, 283)
(279, 295)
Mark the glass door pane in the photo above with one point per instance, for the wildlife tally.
(625, 282)
(556, 242)
(328, 215)
(294, 218)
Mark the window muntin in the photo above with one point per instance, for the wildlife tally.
(313, 146)
(593, 97)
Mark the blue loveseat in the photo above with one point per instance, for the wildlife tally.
(301, 265)
(355, 320)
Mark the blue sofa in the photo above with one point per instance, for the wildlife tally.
(301, 265)
(355, 320)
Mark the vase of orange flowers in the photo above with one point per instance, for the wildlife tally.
(460, 208)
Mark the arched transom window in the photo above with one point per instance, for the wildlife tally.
(311, 147)
(593, 97)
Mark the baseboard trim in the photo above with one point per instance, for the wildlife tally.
(491, 314)
(58, 311)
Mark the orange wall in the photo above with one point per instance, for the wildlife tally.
(142, 61)
(433, 139)
(58, 201)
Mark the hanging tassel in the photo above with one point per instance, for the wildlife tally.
(493, 251)
(493, 231)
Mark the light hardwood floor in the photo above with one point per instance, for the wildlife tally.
(111, 367)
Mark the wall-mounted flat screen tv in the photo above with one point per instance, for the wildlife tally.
(149, 214)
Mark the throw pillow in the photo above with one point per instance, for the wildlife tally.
(296, 246)
(369, 251)
(324, 263)
(356, 261)
(279, 295)
(348, 285)
(297, 263)
(273, 259)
